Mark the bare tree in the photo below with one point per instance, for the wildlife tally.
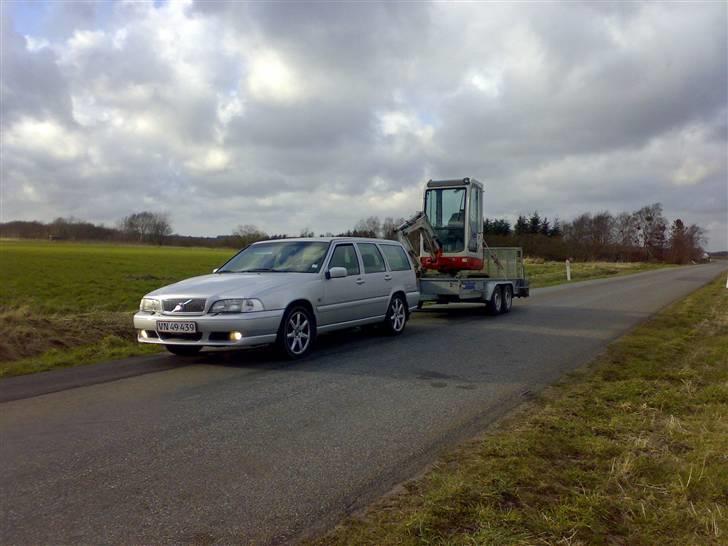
(146, 226)
(368, 227)
(389, 227)
(160, 228)
(625, 230)
(247, 234)
(651, 229)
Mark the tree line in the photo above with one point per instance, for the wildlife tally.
(140, 227)
(642, 235)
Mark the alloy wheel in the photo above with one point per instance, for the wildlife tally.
(398, 315)
(298, 332)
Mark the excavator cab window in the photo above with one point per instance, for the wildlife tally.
(445, 209)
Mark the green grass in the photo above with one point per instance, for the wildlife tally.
(633, 449)
(70, 277)
(541, 274)
(65, 304)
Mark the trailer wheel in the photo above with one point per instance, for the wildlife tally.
(507, 302)
(493, 306)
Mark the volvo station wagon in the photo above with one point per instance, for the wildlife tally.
(284, 292)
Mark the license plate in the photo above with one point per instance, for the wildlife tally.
(176, 327)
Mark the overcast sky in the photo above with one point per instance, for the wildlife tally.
(288, 115)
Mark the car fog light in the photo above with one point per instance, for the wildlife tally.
(236, 336)
(144, 334)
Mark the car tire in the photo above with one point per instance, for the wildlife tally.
(396, 318)
(297, 333)
(507, 300)
(493, 307)
(183, 350)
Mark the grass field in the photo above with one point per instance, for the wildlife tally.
(542, 273)
(65, 304)
(630, 450)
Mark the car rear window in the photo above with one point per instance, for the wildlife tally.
(396, 257)
(372, 258)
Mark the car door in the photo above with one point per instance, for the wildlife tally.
(403, 275)
(377, 280)
(343, 298)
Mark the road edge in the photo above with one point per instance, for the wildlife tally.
(37, 384)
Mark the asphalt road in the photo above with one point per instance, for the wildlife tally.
(244, 448)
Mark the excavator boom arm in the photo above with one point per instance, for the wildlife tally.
(419, 224)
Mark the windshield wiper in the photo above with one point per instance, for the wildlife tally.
(261, 270)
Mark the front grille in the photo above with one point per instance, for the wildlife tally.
(187, 305)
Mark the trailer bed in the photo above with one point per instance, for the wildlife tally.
(502, 270)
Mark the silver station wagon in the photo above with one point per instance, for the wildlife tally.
(285, 292)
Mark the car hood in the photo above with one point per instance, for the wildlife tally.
(232, 285)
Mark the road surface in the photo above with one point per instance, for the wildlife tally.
(244, 448)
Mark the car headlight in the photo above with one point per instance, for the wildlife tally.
(236, 306)
(150, 305)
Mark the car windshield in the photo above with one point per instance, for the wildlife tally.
(278, 257)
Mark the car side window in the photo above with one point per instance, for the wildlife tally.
(396, 257)
(372, 258)
(345, 256)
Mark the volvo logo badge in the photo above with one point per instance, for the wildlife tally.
(180, 306)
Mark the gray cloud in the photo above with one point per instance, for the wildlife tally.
(301, 114)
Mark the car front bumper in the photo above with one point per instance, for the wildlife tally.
(257, 328)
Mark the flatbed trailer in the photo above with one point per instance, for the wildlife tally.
(501, 279)
(454, 263)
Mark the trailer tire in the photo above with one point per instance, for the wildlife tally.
(507, 299)
(493, 307)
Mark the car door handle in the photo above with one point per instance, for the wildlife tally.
(388, 277)
(360, 281)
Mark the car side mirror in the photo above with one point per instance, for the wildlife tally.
(215, 270)
(336, 273)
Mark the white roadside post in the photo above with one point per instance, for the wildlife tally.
(568, 270)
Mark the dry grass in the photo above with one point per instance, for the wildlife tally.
(25, 333)
(32, 342)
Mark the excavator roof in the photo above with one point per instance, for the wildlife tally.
(452, 183)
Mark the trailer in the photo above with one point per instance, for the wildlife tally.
(454, 263)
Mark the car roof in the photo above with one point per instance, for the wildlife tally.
(333, 239)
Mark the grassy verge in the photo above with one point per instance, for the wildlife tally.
(67, 304)
(631, 450)
(541, 274)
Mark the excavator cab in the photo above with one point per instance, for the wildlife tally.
(450, 226)
(454, 209)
